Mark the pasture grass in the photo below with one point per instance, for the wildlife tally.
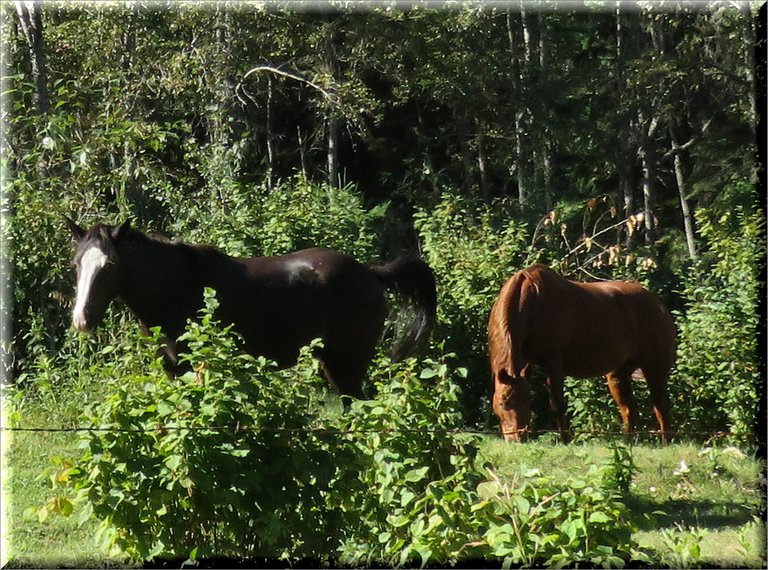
(705, 501)
(57, 541)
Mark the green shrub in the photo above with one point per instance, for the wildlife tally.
(254, 220)
(473, 248)
(414, 493)
(553, 524)
(715, 384)
(221, 461)
(239, 459)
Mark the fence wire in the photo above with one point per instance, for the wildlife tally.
(707, 435)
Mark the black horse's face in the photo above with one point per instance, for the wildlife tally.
(98, 267)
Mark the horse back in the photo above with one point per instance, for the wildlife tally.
(616, 323)
(280, 303)
(583, 329)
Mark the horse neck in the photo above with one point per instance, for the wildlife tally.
(159, 282)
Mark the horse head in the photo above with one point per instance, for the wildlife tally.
(512, 404)
(98, 267)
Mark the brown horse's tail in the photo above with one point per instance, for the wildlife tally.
(414, 280)
(505, 335)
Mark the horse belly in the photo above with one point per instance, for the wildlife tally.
(595, 354)
(277, 324)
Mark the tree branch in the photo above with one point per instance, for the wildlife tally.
(328, 95)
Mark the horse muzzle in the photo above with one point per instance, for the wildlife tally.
(80, 322)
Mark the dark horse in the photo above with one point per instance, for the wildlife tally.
(276, 304)
(582, 330)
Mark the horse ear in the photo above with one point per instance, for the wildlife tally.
(76, 231)
(119, 231)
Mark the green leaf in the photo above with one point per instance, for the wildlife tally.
(64, 506)
(173, 461)
(415, 475)
(599, 517)
(522, 504)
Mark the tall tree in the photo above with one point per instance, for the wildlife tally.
(30, 18)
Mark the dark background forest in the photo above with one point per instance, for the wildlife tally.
(609, 140)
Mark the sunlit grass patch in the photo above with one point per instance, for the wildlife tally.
(703, 500)
(54, 541)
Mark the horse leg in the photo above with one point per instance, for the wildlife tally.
(657, 386)
(512, 405)
(620, 385)
(345, 370)
(557, 404)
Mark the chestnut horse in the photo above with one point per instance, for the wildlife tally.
(581, 330)
(276, 304)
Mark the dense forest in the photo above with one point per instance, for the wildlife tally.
(606, 139)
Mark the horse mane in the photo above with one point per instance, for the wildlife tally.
(180, 262)
(505, 334)
(158, 238)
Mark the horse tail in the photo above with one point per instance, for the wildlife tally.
(505, 334)
(414, 280)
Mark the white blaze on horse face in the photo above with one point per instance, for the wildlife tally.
(92, 261)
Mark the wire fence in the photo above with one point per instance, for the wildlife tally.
(235, 429)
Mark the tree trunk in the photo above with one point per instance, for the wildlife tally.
(749, 60)
(31, 22)
(333, 120)
(624, 154)
(649, 191)
(682, 191)
(518, 87)
(542, 119)
(648, 160)
(547, 165)
(224, 83)
(333, 152)
(302, 152)
(270, 136)
(482, 162)
(522, 190)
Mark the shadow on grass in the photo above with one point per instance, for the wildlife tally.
(690, 513)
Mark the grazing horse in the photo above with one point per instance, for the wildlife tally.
(582, 330)
(276, 304)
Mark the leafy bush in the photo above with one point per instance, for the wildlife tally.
(239, 459)
(473, 248)
(541, 521)
(715, 385)
(296, 214)
(413, 496)
(222, 461)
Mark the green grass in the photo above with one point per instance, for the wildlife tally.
(704, 511)
(56, 541)
(28, 460)
(704, 501)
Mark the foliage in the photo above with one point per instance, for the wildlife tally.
(411, 498)
(238, 459)
(473, 248)
(716, 378)
(557, 523)
(540, 123)
(296, 214)
(176, 464)
(163, 123)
